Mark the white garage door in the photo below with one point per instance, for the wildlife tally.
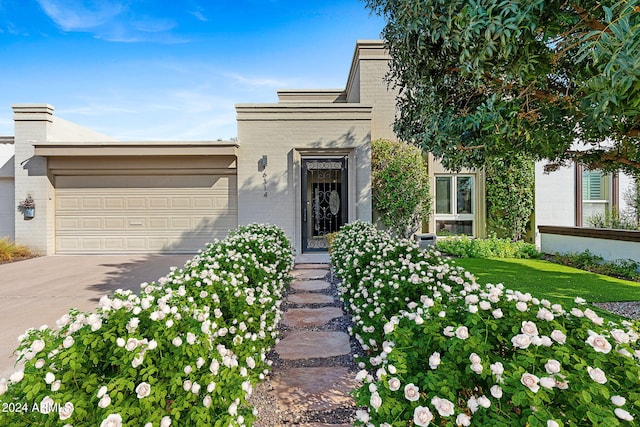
(145, 214)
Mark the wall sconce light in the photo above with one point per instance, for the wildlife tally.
(262, 163)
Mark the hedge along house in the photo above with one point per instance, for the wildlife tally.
(303, 163)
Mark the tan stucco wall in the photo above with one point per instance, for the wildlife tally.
(36, 124)
(285, 133)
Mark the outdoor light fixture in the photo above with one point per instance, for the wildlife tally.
(262, 163)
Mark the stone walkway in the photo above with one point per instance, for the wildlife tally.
(314, 372)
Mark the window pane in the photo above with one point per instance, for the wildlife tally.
(595, 185)
(454, 228)
(443, 195)
(464, 195)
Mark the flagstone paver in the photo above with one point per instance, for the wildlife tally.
(310, 317)
(310, 298)
(313, 344)
(311, 274)
(312, 266)
(317, 396)
(314, 389)
(310, 285)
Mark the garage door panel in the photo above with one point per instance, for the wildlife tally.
(107, 219)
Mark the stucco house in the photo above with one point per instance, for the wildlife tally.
(302, 163)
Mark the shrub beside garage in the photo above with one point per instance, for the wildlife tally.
(185, 350)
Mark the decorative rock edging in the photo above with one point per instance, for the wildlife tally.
(313, 366)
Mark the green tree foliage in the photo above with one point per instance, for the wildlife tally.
(492, 78)
(510, 195)
(400, 185)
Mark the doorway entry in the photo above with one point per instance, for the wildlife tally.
(324, 200)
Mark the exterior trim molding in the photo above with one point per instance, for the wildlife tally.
(151, 148)
(594, 233)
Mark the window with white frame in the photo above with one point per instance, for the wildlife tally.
(455, 212)
(596, 194)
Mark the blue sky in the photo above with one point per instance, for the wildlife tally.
(173, 70)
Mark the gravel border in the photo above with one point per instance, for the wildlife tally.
(628, 309)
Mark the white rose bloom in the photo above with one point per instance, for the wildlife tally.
(623, 414)
(153, 344)
(434, 360)
(484, 401)
(475, 359)
(529, 328)
(165, 421)
(551, 423)
(599, 343)
(497, 313)
(104, 401)
(477, 368)
(206, 402)
(597, 375)
(422, 416)
(522, 306)
(46, 405)
(39, 363)
(620, 336)
(411, 392)
(49, 378)
(394, 384)
(444, 407)
(177, 341)
(389, 327)
(65, 411)
(618, 400)
(131, 345)
(472, 404)
(497, 368)
(548, 382)
(559, 337)
(521, 341)
(68, 342)
(37, 346)
(55, 386)
(362, 415)
(462, 332)
(3, 386)
(186, 385)
(143, 390)
(120, 342)
(496, 391)
(552, 366)
(113, 420)
(16, 377)
(375, 401)
(463, 420)
(187, 369)
(530, 381)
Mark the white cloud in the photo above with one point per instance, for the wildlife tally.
(257, 81)
(75, 15)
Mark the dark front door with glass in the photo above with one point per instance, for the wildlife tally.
(324, 200)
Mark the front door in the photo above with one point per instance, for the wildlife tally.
(324, 200)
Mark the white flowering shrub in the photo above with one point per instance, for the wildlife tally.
(186, 350)
(442, 349)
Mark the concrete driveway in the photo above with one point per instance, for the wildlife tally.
(39, 291)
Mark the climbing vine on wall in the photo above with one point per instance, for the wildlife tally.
(510, 196)
(400, 185)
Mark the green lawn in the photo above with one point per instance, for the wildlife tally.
(544, 279)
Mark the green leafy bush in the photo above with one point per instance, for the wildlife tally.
(492, 247)
(510, 183)
(186, 350)
(623, 268)
(612, 219)
(400, 185)
(442, 349)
